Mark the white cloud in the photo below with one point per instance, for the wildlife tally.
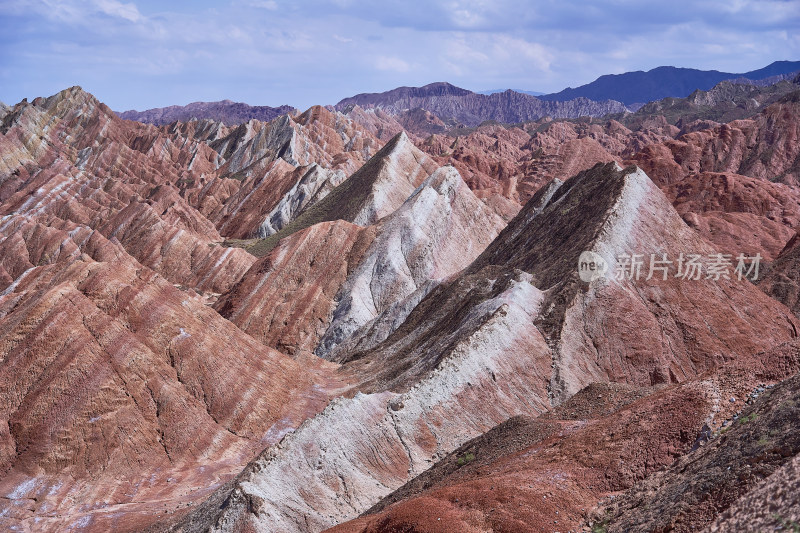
(115, 8)
(342, 39)
(511, 48)
(264, 4)
(392, 64)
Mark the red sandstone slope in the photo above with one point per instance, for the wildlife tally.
(515, 162)
(737, 213)
(273, 171)
(782, 280)
(123, 396)
(69, 160)
(749, 214)
(548, 473)
(516, 333)
(765, 146)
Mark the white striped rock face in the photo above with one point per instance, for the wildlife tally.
(434, 234)
(362, 448)
(315, 184)
(516, 333)
(437, 232)
(401, 171)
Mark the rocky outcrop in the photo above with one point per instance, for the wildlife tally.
(69, 160)
(516, 333)
(376, 190)
(765, 147)
(707, 487)
(514, 162)
(272, 172)
(449, 102)
(315, 184)
(782, 279)
(437, 232)
(122, 392)
(547, 473)
(225, 111)
(320, 285)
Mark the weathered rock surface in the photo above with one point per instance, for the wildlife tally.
(547, 473)
(376, 190)
(740, 215)
(285, 299)
(69, 160)
(765, 146)
(515, 162)
(436, 233)
(123, 396)
(707, 487)
(332, 278)
(449, 102)
(782, 280)
(225, 111)
(515, 334)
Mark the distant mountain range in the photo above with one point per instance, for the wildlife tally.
(492, 91)
(451, 103)
(613, 93)
(662, 82)
(228, 112)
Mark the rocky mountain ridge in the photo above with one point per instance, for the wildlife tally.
(323, 321)
(225, 111)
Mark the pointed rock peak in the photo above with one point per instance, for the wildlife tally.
(74, 95)
(398, 141)
(561, 221)
(374, 191)
(315, 113)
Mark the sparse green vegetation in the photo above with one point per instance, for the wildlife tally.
(789, 525)
(749, 418)
(466, 458)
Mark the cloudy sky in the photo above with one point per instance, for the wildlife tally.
(141, 53)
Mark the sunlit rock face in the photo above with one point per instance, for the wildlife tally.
(516, 333)
(282, 325)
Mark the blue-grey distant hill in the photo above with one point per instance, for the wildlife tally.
(493, 91)
(662, 82)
